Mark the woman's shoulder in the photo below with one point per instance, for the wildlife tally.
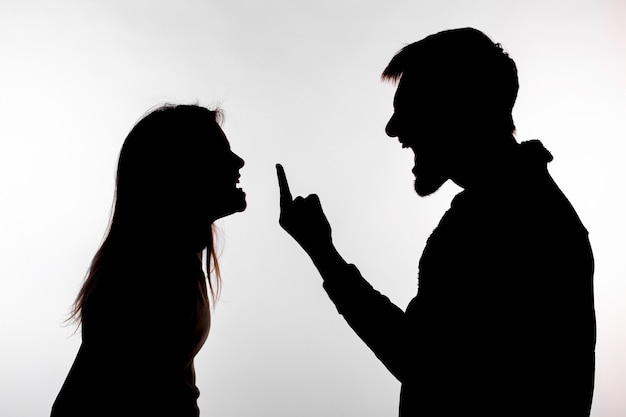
(148, 281)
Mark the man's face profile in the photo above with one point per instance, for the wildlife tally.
(421, 123)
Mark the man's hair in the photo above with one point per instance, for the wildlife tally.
(463, 66)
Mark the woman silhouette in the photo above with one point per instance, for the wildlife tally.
(144, 307)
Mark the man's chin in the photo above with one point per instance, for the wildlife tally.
(425, 188)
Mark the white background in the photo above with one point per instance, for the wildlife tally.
(299, 84)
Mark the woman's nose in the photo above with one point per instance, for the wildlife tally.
(239, 161)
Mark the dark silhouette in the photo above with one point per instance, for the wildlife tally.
(503, 322)
(144, 307)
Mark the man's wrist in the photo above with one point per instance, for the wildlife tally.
(327, 260)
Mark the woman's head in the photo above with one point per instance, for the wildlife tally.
(176, 175)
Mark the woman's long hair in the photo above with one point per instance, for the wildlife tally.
(161, 167)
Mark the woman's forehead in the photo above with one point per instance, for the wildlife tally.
(220, 140)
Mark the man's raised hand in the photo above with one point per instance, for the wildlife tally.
(303, 218)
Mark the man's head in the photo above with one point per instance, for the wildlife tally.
(456, 91)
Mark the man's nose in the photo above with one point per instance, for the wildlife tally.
(391, 128)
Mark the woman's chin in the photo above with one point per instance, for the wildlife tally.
(234, 203)
(241, 200)
(241, 207)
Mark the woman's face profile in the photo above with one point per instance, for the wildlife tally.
(223, 188)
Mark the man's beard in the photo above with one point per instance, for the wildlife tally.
(426, 185)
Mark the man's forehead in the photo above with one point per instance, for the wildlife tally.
(410, 88)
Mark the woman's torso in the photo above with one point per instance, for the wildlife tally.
(142, 327)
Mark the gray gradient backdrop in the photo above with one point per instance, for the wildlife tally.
(299, 83)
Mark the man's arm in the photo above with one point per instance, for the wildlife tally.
(375, 319)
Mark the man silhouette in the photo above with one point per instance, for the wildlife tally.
(503, 323)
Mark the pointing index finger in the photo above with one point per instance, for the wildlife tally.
(283, 185)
